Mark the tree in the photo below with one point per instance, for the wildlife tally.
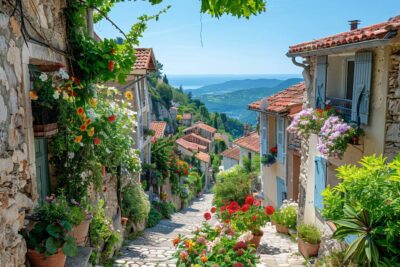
(204, 113)
(165, 92)
(190, 95)
(165, 79)
(180, 88)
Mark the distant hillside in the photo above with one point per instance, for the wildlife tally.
(234, 104)
(234, 85)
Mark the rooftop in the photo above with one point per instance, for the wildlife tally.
(232, 153)
(203, 126)
(159, 128)
(250, 142)
(189, 145)
(144, 59)
(197, 137)
(380, 31)
(203, 157)
(289, 100)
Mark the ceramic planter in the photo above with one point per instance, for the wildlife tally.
(255, 241)
(40, 260)
(282, 229)
(80, 232)
(307, 249)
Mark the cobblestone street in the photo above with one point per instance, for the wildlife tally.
(154, 247)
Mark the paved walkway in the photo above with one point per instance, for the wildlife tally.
(154, 247)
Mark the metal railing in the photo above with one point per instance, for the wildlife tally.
(343, 106)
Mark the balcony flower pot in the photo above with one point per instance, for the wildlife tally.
(80, 232)
(307, 249)
(124, 221)
(268, 159)
(37, 259)
(282, 229)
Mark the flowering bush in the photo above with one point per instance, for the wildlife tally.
(306, 122)
(286, 215)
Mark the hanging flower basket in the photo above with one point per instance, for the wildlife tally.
(44, 122)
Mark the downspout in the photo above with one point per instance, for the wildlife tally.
(307, 77)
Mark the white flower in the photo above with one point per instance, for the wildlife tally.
(245, 237)
(43, 77)
(65, 95)
(63, 74)
(71, 155)
(56, 95)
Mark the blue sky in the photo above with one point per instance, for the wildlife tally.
(240, 46)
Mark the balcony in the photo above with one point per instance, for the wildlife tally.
(342, 106)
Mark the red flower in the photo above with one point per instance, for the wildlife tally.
(111, 66)
(257, 202)
(238, 264)
(269, 210)
(227, 221)
(239, 252)
(112, 118)
(97, 141)
(254, 218)
(319, 111)
(207, 216)
(176, 241)
(273, 150)
(245, 207)
(249, 200)
(213, 209)
(240, 245)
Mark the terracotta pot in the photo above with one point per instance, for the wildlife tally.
(255, 241)
(307, 249)
(80, 232)
(40, 260)
(45, 130)
(124, 220)
(282, 229)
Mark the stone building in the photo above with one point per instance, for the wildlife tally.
(230, 157)
(249, 146)
(357, 73)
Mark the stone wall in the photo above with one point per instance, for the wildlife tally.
(392, 142)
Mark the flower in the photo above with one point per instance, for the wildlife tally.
(176, 241)
(56, 95)
(207, 216)
(257, 202)
(88, 121)
(245, 207)
(63, 74)
(254, 218)
(203, 259)
(249, 200)
(189, 244)
(97, 141)
(213, 209)
(43, 77)
(91, 131)
(269, 210)
(65, 95)
(129, 95)
(240, 245)
(33, 95)
(111, 66)
(80, 111)
(183, 256)
(239, 252)
(83, 127)
(93, 102)
(238, 264)
(78, 139)
(112, 118)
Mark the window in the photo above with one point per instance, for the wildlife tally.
(349, 79)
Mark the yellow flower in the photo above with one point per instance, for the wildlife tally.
(129, 95)
(91, 131)
(178, 117)
(33, 95)
(78, 139)
(93, 102)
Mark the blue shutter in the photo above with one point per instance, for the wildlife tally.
(263, 134)
(362, 87)
(281, 191)
(320, 181)
(320, 83)
(280, 138)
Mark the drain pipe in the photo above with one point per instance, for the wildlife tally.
(306, 75)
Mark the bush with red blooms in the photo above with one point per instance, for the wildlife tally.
(182, 168)
(251, 216)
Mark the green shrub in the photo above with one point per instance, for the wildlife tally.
(165, 208)
(309, 233)
(154, 217)
(135, 203)
(232, 185)
(286, 216)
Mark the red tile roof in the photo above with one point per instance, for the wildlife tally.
(232, 153)
(203, 126)
(373, 32)
(186, 116)
(193, 136)
(250, 142)
(144, 59)
(203, 157)
(159, 128)
(190, 146)
(288, 100)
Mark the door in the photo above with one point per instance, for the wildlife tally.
(281, 191)
(296, 177)
(42, 168)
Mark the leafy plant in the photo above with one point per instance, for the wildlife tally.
(268, 159)
(165, 208)
(135, 203)
(286, 215)
(309, 233)
(154, 217)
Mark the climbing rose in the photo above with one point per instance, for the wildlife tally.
(213, 209)
(207, 216)
(269, 210)
(112, 118)
(249, 200)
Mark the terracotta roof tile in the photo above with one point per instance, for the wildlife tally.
(193, 136)
(288, 100)
(373, 32)
(232, 153)
(250, 142)
(159, 128)
(144, 59)
(203, 126)
(190, 146)
(203, 157)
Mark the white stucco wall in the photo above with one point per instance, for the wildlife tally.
(229, 163)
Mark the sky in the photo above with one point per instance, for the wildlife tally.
(239, 46)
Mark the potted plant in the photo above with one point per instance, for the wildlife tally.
(80, 220)
(49, 243)
(274, 151)
(268, 159)
(124, 221)
(356, 133)
(285, 218)
(309, 239)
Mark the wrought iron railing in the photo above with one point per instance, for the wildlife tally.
(343, 106)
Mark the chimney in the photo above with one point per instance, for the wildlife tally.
(246, 130)
(354, 24)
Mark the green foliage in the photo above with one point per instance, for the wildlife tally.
(251, 165)
(286, 216)
(135, 203)
(165, 208)
(154, 217)
(232, 185)
(309, 233)
(368, 196)
(165, 92)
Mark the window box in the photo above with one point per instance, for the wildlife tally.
(268, 159)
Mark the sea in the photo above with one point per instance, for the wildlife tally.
(191, 81)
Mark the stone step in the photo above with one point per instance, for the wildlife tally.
(81, 259)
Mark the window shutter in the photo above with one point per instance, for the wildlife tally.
(320, 181)
(263, 134)
(280, 138)
(320, 83)
(362, 87)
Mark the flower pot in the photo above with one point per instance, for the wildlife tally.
(44, 121)
(255, 241)
(40, 260)
(282, 229)
(307, 249)
(45, 130)
(355, 140)
(124, 221)
(80, 232)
